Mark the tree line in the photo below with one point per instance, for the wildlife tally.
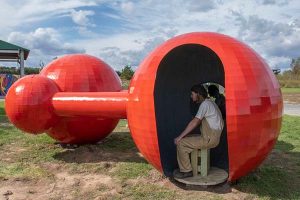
(16, 71)
(291, 77)
(125, 74)
(288, 78)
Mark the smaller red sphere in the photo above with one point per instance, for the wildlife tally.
(28, 104)
(82, 73)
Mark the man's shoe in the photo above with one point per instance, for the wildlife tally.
(178, 174)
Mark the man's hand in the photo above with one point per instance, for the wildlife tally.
(176, 140)
(193, 124)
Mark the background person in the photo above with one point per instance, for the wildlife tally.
(213, 91)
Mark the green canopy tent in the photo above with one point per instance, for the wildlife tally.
(13, 53)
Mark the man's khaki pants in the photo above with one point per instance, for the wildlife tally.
(208, 139)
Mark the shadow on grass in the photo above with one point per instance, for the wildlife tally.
(118, 147)
(284, 146)
(278, 177)
(2, 111)
(3, 117)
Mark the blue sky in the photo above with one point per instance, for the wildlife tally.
(124, 32)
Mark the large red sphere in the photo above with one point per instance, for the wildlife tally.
(82, 73)
(28, 104)
(253, 99)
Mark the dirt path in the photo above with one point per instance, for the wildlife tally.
(291, 109)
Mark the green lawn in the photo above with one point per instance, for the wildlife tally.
(290, 90)
(26, 157)
(2, 111)
(3, 117)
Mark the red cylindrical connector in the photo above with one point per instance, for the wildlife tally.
(100, 104)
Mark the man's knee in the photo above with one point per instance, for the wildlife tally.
(182, 146)
(179, 145)
(182, 143)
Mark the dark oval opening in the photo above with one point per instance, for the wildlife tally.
(183, 67)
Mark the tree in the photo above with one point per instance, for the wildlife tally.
(14, 70)
(31, 70)
(127, 73)
(295, 66)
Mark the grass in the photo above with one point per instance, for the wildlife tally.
(146, 191)
(289, 138)
(3, 117)
(25, 156)
(125, 171)
(285, 90)
(21, 170)
(2, 111)
(119, 142)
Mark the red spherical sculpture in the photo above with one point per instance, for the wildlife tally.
(28, 104)
(157, 109)
(82, 73)
(71, 73)
(89, 102)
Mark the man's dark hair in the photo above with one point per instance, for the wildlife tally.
(199, 89)
(213, 90)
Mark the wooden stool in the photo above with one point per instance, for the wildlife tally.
(209, 175)
(205, 161)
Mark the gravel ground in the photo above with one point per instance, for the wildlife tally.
(291, 109)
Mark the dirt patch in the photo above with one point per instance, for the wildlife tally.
(5, 124)
(61, 186)
(63, 183)
(89, 154)
(11, 153)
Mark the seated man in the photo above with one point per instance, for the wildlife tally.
(210, 119)
(213, 91)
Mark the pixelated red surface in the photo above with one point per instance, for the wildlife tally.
(82, 73)
(253, 102)
(28, 104)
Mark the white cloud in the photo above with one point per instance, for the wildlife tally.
(277, 42)
(124, 32)
(272, 2)
(14, 15)
(127, 7)
(81, 17)
(44, 44)
(126, 48)
(263, 26)
(196, 5)
(118, 58)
